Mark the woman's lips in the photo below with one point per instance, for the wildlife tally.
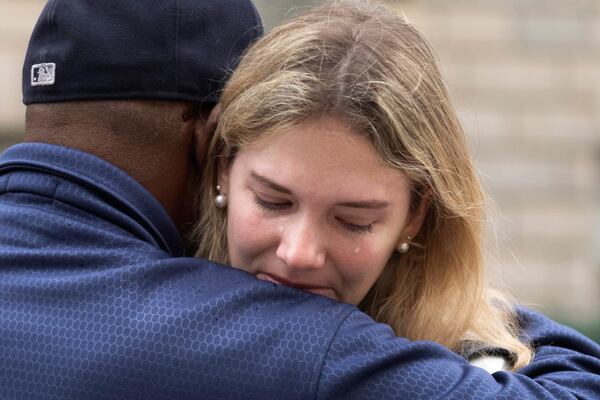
(315, 289)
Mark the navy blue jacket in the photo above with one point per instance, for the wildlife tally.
(96, 303)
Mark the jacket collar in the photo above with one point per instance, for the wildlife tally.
(121, 190)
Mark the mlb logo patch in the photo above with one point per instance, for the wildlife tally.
(43, 74)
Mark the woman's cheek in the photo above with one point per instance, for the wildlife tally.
(249, 235)
(355, 260)
(363, 263)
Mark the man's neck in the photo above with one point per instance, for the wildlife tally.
(163, 172)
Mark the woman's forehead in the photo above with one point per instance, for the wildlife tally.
(322, 152)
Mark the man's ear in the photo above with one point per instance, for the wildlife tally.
(416, 218)
(204, 132)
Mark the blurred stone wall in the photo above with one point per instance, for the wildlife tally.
(525, 77)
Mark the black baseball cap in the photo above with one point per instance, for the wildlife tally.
(136, 49)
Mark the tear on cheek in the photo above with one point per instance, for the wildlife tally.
(356, 250)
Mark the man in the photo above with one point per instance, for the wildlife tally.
(97, 301)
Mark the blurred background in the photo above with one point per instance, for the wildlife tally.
(525, 78)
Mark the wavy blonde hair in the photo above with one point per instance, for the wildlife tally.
(360, 62)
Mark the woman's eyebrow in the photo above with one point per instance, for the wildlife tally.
(269, 183)
(370, 204)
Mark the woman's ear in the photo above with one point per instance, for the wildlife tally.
(416, 217)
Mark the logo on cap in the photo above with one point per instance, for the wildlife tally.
(43, 74)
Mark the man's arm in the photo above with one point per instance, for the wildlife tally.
(366, 361)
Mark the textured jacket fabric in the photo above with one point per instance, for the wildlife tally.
(96, 302)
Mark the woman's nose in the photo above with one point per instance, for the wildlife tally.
(301, 245)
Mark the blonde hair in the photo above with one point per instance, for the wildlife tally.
(366, 65)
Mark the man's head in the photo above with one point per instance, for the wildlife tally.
(134, 82)
(136, 49)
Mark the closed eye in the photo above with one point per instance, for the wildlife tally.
(271, 206)
(355, 228)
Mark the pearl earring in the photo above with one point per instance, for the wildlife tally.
(220, 199)
(404, 246)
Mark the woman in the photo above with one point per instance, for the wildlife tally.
(340, 167)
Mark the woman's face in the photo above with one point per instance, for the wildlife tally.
(315, 208)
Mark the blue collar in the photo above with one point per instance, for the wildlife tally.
(100, 176)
